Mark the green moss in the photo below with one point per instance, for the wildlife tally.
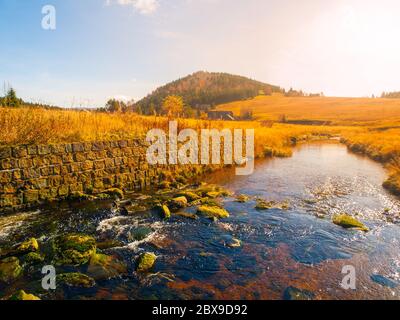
(146, 262)
(211, 191)
(165, 212)
(10, 269)
(33, 258)
(179, 202)
(349, 222)
(264, 205)
(103, 196)
(213, 212)
(115, 192)
(22, 295)
(191, 196)
(76, 279)
(74, 249)
(29, 245)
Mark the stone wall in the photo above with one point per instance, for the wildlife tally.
(32, 174)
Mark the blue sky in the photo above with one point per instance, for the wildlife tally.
(107, 48)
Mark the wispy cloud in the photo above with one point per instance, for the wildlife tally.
(141, 6)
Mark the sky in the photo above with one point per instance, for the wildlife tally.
(127, 48)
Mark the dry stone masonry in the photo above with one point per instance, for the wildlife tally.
(32, 174)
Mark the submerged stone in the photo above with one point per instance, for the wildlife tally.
(213, 212)
(383, 281)
(187, 215)
(264, 205)
(349, 222)
(212, 191)
(108, 244)
(234, 243)
(76, 279)
(146, 262)
(242, 198)
(139, 233)
(103, 267)
(74, 249)
(10, 269)
(292, 293)
(22, 295)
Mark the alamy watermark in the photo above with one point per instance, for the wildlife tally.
(49, 19)
(349, 280)
(49, 279)
(186, 147)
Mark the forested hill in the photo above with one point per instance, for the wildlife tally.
(203, 90)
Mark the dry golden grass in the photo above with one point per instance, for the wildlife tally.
(343, 111)
(366, 130)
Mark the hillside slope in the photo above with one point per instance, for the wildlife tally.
(203, 90)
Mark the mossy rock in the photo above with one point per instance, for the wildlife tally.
(292, 293)
(103, 196)
(348, 222)
(264, 205)
(165, 212)
(146, 262)
(242, 198)
(22, 295)
(74, 249)
(178, 203)
(108, 244)
(212, 191)
(33, 258)
(139, 233)
(80, 196)
(10, 269)
(102, 267)
(115, 192)
(213, 212)
(30, 245)
(191, 196)
(76, 280)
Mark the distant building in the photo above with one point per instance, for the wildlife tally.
(220, 115)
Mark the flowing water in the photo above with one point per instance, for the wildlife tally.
(297, 248)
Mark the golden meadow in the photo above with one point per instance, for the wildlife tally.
(368, 126)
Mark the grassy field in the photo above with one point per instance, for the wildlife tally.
(337, 111)
(368, 126)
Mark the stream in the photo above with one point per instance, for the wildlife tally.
(283, 253)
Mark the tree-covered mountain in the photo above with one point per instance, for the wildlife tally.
(203, 90)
